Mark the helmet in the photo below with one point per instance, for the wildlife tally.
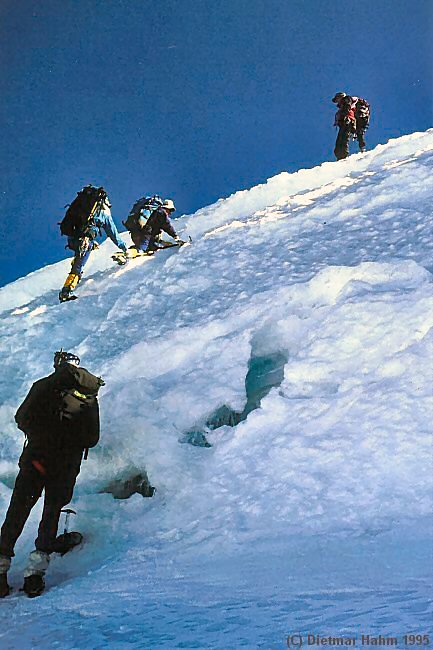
(169, 205)
(62, 357)
(338, 96)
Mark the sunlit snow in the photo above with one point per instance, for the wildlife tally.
(312, 514)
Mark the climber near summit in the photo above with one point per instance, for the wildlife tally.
(60, 420)
(351, 118)
(87, 215)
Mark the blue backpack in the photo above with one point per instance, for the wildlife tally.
(142, 209)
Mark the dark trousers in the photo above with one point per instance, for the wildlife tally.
(360, 136)
(28, 488)
(142, 242)
(342, 143)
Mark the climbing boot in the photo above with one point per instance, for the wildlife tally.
(66, 295)
(5, 563)
(68, 288)
(34, 574)
(4, 587)
(34, 585)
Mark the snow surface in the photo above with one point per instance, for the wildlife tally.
(313, 514)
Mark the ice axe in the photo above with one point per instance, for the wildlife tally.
(68, 512)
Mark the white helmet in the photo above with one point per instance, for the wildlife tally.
(168, 205)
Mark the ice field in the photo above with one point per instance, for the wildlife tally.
(295, 336)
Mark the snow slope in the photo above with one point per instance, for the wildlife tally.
(310, 515)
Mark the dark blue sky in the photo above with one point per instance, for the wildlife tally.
(193, 99)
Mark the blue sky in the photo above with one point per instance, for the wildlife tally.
(192, 99)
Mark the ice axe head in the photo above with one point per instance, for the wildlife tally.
(68, 512)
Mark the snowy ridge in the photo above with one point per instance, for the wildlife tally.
(330, 268)
(243, 204)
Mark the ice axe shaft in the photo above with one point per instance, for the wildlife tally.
(68, 512)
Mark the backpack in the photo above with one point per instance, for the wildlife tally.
(61, 411)
(77, 221)
(73, 401)
(362, 110)
(142, 208)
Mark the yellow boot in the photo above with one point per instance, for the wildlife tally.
(133, 252)
(70, 284)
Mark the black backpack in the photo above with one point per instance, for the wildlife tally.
(145, 204)
(74, 400)
(77, 221)
(362, 110)
(62, 411)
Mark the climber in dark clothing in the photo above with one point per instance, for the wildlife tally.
(352, 118)
(145, 238)
(60, 418)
